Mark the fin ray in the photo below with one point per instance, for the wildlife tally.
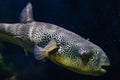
(39, 52)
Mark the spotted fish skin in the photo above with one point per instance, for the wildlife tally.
(41, 33)
(73, 51)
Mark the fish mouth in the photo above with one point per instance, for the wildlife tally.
(104, 68)
(101, 71)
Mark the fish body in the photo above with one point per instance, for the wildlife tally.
(61, 46)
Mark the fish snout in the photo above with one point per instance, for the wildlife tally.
(105, 63)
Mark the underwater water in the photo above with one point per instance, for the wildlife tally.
(97, 20)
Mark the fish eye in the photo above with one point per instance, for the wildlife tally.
(85, 57)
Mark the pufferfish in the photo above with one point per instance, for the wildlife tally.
(61, 46)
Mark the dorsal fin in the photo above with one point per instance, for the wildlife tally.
(26, 14)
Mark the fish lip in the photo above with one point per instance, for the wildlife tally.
(103, 70)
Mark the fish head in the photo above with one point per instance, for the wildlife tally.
(93, 60)
(88, 60)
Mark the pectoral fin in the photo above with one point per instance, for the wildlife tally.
(41, 53)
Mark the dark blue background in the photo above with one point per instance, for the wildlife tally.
(98, 20)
